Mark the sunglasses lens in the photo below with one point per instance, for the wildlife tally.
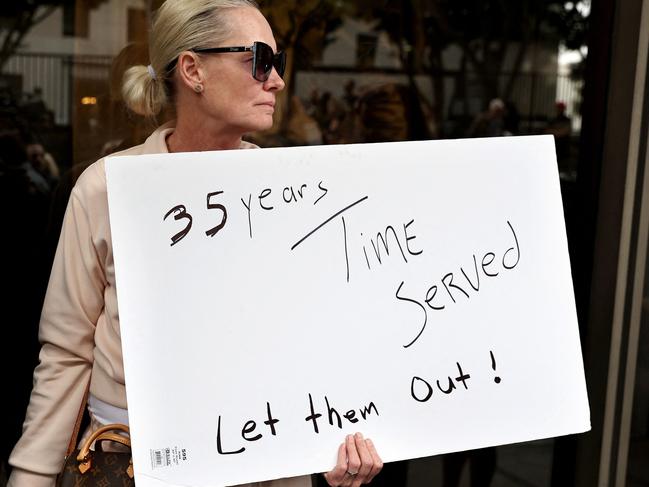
(263, 61)
(279, 61)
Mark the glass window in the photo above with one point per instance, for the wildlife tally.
(361, 71)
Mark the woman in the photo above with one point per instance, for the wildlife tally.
(218, 96)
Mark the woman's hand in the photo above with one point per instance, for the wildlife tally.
(358, 463)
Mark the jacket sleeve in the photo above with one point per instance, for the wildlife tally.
(21, 477)
(73, 303)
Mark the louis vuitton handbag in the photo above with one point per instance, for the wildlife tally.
(88, 468)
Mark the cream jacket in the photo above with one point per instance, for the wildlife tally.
(79, 331)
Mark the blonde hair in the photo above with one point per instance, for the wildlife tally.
(179, 25)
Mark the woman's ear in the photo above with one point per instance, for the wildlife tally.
(190, 71)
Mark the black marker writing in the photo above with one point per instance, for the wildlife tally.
(423, 326)
(248, 432)
(216, 206)
(346, 253)
(518, 250)
(180, 213)
(248, 208)
(421, 390)
(384, 239)
(324, 192)
(265, 194)
(493, 366)
(409, 238)
(219, 447)
(455, 287)
(327, 221)
(334, 416)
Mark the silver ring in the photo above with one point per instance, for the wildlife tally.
(352, 473)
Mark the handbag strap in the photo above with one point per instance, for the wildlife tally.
(77, 424)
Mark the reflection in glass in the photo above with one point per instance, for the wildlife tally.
(361, 71)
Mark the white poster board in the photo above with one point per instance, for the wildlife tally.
(418, 292)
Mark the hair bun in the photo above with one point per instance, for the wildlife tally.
(141, 92)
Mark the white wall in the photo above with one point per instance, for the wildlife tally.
(107, 35)
(107, 32)
(342, 51)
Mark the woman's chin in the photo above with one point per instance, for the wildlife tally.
(263, 124)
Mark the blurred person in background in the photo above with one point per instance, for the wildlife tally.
(561, 127)
(490, 123)
(43, 163)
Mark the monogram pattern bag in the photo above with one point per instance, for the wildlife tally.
(87, 468)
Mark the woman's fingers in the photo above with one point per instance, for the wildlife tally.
(371, 463)
(366, 460)
(336, 476)
(353, 463)
(377, 463)
(357, 464)
(353, 458)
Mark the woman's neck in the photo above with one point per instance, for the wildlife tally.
(189, 136)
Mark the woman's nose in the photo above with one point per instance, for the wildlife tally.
(274, 81)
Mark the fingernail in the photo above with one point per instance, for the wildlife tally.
(349, 437)
(359, 436)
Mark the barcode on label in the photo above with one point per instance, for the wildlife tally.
(165, 457)
(160, 458)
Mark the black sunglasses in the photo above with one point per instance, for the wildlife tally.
(263, 58)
